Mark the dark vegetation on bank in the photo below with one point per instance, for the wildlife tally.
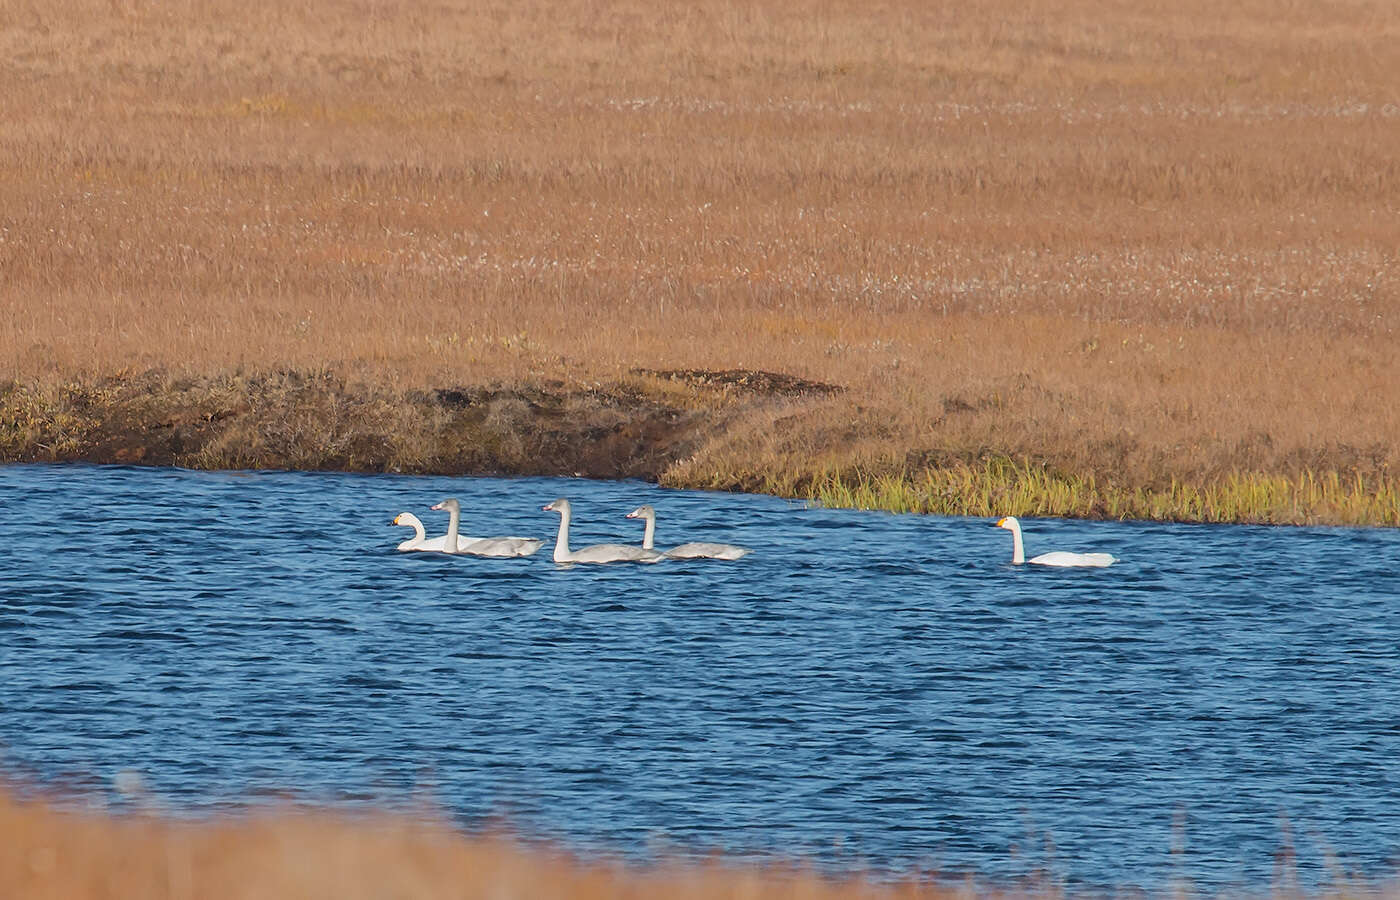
(636, 428)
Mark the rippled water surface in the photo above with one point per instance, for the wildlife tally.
(863, 691)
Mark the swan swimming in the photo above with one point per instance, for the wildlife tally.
(692, 550)
(1054, 558)
(420, 539)
(598, 553)
(492, 546)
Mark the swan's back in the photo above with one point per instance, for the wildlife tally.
(502, 546)
(439, 544)
(1065, 559)
(707, 550)
(605, 553)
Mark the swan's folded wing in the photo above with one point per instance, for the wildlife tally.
(502, 546)
(433, 545)
(605, 553)
(1064, 559)
(706, 550)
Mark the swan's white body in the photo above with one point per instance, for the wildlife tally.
(501, 546)
(1056, 558)
(476, 546)
(598, 553)
(420, 539)
(692, 550)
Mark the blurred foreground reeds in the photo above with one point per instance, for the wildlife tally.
(52, 854)
(1153, 245)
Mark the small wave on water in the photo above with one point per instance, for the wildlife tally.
(864, 691)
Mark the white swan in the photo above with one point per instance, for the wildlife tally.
(420, 539)
(692, 550)
(598, 553)
(492, 546)
(1055, 558)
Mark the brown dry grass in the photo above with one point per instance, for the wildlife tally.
(1147, 241)
(49, 854)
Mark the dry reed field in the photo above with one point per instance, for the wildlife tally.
(1149, 245)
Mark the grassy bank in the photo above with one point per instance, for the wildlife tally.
(691, 429)
(1146, 254)
(1005, 487)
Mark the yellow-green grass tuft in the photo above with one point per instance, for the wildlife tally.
(1005, 487)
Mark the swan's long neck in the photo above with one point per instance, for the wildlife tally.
(419, 535)
(454, 519)
(561, 546)
(649, 539)
(1018, 548)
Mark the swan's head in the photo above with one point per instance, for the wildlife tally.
(407, 519)
(450, 504)
(560, 506)
(1007, 522)
(642, 512)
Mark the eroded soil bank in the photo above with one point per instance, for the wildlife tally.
(636, 428)
(738, 430)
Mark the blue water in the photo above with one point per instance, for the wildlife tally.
(865, 691)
